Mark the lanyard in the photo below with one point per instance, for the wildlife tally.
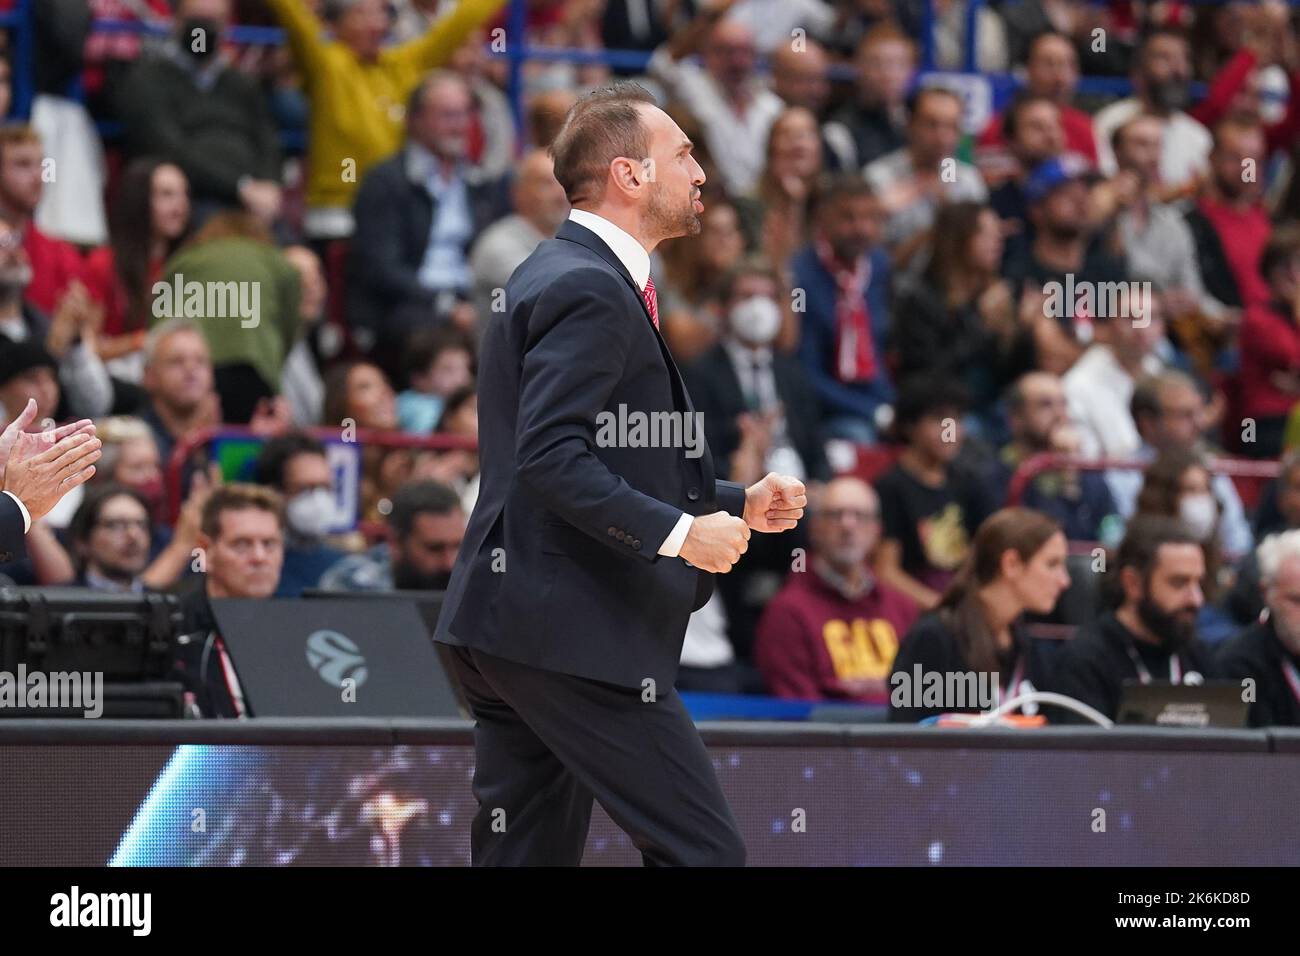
(1144, 675)
(1292, 678)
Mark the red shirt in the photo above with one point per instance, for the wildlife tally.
(1243, 235)
(1270, 342)
(103, 285)
(810, 638)
(1076, 124)
(55, 264)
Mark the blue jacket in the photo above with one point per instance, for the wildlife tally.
(817, 336)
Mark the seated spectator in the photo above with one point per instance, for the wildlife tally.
(1051, 72)
(693, 266)
(242, 549)
(457, 467)
(913, 181)
(1270, 346)
(357, 89)
(833, 629)
(416, 216)
(249, 311)
(844, 275)
(1268, 651)
(358, 396)
(723, 93)
(1034, 135)
(1150, 634)
(1162, 76)
(874, 123)
(189, 105)
(178, 381)
(1177, 484)
(300, 378)
(493, 146)
(438, 362)
(1229, 223)
(1078, 501)
(1169, 414)
(930, 505)
(957, 319)
(1099, 386)
(67, 339)
(56, 266)
(1016, 565)
(1061, 251)
(148, 217)
(1158, 245)
(110, 536)
(540, 209)
(425, 528)
(295, 466)
(775, 215)
(760, 413)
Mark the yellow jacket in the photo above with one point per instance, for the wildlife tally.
(357, 108)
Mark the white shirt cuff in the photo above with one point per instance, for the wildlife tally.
(672, 545)
(27, 518)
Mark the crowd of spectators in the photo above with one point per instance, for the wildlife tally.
(896, 295)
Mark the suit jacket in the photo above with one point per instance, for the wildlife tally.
(12, 546)
(559, 566)
(719, 397)
(393, 214)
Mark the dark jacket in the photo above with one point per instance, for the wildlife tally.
(216, 136)
(12, 546)
(717, 394)
(393, 214)
(1094, 665)
(1256, 653)
(559, 567)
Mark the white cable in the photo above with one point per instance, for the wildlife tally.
(1042, 697)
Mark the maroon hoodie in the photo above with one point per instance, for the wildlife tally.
(811, 638)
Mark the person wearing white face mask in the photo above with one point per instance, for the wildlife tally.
(760, 414)
(1178, 484)
(295, 465)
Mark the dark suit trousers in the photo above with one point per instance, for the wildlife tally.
(547, 743)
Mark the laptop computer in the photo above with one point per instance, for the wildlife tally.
(1160, 703)
(336, 657)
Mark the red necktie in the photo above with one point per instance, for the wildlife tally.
(651, 300)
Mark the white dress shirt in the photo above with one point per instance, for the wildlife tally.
(636, 260)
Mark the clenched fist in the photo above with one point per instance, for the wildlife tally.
(715, 542)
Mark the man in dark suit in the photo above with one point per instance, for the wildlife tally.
(599, 523)
(416, 216)
(36, 470)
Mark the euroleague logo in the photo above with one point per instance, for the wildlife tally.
(335, 658)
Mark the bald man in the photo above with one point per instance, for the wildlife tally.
(833, 630)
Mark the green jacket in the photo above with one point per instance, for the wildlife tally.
(243, 294)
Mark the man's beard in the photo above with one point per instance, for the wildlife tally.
(669, 223)
(1172, 631)
(14, 281)
(407, 578)
(1065, 231)
(1170, 96)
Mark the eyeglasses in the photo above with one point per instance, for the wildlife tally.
(118, 525)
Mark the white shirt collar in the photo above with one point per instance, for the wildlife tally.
(630, 252)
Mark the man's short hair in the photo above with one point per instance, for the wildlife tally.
(276, 454)
(239, 497)
(1022, 102)
(420, 497)
(115, 432)
(1273, 550)
(753, 265)
(1146, 394)
(1119, 132)
(602, 126)
(17, 134)
(921, 92)
(1042, 35)
(1145, 536)
(832, 188)
(886, 31)
(165, 330)
(92, 505)
(433, 78)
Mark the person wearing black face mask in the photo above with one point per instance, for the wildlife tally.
(1151, 633)
(187, 106)
(425, 528)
